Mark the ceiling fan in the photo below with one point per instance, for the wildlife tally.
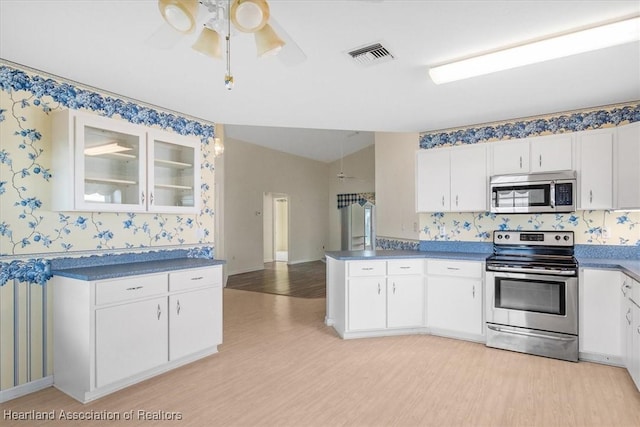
(221, 19)
(341, 175)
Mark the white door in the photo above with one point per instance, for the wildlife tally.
(595, 177)
(510, 157)
(551, 153)
(454, 304)
(366, 302)
(432, 180)
(195, 322)
(130, 339)
(469, 179)
(405, 301)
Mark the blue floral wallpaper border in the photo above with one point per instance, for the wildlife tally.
(73, 97)
(534, 126)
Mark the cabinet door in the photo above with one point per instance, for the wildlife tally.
(174, 173)
(130, 339)
(595, 165)
(635, 334)
(600, 323)
(469, 178)
(454, 304)
(510, 157)
(195, 321)
(405, 301)
(432, 180)
(627, 171)
(110, 165)
(366, 302)
(551, 153)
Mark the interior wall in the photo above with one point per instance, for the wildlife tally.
(396, 215)
(251, 171)
(359, 165)
(267, 231)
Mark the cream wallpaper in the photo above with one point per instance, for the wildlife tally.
(27, 223)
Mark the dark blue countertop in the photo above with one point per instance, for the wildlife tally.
(110, 271)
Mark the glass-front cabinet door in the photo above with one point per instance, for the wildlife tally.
(174, 172)
(110, 165)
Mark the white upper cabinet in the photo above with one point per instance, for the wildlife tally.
(103, 164)
(532, 155)
(452, 179)
(627, 161)
(510, 157)
(551, 153)
(595, 169)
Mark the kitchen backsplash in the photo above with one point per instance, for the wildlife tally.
(27, 223)
(589, 227)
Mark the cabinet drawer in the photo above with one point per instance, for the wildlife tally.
(367, 268)
(406, 266)
(454, 268)
(195, 278)
(129, 288)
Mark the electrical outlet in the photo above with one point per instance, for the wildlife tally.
(606, 233)
(443, 231)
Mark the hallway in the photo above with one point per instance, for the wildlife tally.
(304, 280)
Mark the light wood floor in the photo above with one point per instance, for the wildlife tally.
(281, 366)
(304, 280)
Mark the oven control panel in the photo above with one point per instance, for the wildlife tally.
(535, 238)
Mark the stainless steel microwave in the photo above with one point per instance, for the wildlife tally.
(536, 193)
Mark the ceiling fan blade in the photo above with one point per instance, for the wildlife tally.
(291, 54)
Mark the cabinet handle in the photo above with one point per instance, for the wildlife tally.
(367, 268)
(540, 160)
(453, 268)
(639, 329)
(520, 162)
(442, 200)
(135, 288)
(394, 288)
(197, 278)
(456, 200)
(378, 288)
(405, 268)
(473, 291)
(151, 198)
(178, 308)
(628, 316)
(590, 196)
(143, 197)
(159, 312)
(624, 288)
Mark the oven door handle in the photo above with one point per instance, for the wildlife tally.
(528, 334)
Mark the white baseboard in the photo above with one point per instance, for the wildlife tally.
(246, 270)
(300, 261)
(24, 389)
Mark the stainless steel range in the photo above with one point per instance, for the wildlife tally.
(532, 293)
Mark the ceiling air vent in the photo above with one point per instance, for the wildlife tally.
(371, 54)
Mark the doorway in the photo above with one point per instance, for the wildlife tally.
(276, 227)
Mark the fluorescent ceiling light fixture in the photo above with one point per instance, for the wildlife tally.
(590, 39)
(110, 148)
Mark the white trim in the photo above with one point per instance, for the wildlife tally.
(24, 389)
(300, 261)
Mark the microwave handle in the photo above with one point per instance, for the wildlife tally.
(552, 195)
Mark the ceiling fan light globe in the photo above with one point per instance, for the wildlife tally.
(179, 14)
(267, 42)
(208, 43)
(249, 16)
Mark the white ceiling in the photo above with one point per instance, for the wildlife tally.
(104, 43)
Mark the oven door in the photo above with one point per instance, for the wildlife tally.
(534, 301)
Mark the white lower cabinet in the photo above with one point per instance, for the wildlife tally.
(455, 298)
(377, 297)
(601, 316)
(109, 334)
(632, 328)
(130, 338)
